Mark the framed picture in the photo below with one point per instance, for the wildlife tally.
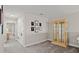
(32, 28)
(32, 23)
(40, 24)
(36, 26)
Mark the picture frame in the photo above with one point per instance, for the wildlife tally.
(40, 24)
(32, 28)
(32, 23)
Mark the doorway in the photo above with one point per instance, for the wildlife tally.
(10, 31)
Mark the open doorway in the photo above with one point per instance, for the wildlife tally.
(10, 31)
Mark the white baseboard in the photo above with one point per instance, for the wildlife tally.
(25, 45)
(34, 43)
(74, 45)
(20, 43)
(49, 39)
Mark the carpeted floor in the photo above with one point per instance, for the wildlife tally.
(46, 47)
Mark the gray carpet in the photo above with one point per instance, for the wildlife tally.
(45, 47)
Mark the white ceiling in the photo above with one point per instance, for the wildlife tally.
(48, 10)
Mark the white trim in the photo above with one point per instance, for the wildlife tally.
(25, 45)
(74, 45)
(49, 39)
(35, 43)
(20, 42)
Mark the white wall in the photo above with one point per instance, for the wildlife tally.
(73, 22)
(20, 30)
(28, 37)
(33, 37)
(73, 29)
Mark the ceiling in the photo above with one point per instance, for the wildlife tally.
(50, 11)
